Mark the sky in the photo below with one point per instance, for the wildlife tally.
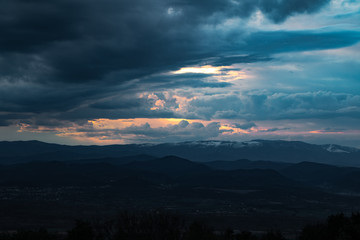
(140, 71)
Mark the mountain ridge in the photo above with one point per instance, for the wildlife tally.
(199, 151)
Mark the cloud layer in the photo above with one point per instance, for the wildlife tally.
(64, 63)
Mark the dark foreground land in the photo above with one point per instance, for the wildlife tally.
(243, 195)
(52, 194)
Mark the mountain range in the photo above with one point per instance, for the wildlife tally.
(198, 151)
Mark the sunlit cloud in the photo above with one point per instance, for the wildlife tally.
(220, 73)
(324, 131)
(207, 69)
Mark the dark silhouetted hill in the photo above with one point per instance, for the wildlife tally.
(170, 165)
(200, 151)
(246, 164)
(326, 176)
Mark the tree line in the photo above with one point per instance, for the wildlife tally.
(164, 226)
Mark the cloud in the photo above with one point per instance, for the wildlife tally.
(329, 130)
(182, 131)
(28, 97)
(84, 50)
(229, 60)
(262, 106)
(177, 132)
(244, 126)
(64, 62)
(295, 41)
(4, 123)
(80, 41)
(190, 80)
(272, 130)
(277, 11)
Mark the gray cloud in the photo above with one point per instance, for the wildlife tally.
(279, 10)
(229, 60)
(254, 106)
(332, 130)
(273, 129)
(244, 126)
(183, 131)
(192, 80)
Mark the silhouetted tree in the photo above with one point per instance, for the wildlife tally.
(245, 235)
(83, 230)
(148, 226)
(273, 235)
(317, 231)
(199, 231)
(30, 235)
(228, 234)
(337, 227)
(5, 236)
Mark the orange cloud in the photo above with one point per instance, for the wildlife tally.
(326, 132)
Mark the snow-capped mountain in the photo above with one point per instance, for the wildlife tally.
(339, 149)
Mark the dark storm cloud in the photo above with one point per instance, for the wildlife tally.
(274, 9)
(279, 10)
(117, 104)
(82, 40)
(36, 98)
(87, 40)
(7, 119)
(3, 123)
(115, 112)
(67, 58)
(26, 26)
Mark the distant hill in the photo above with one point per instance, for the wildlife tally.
(246, 164)
(241, 174)
(178, 184)
(341, 179)
(52, 173)
(200, 151)
(243, 179)
(170, 165)
(116, 161)
(166, 170)
(147, 174)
